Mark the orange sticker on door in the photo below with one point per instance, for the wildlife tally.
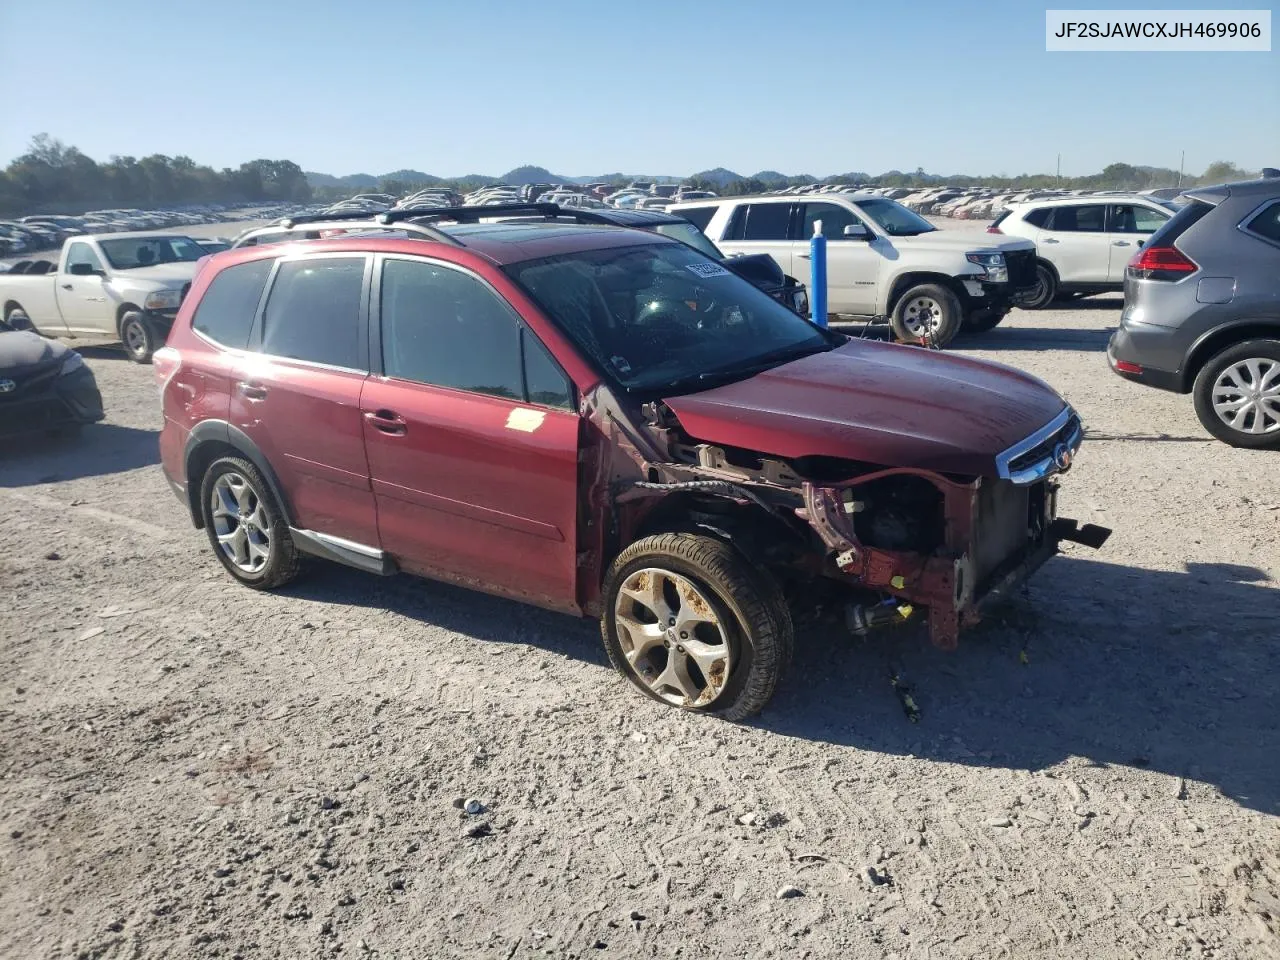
(525, 420)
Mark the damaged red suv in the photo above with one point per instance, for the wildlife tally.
(604, 422)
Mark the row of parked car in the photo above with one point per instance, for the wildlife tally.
(47, 231)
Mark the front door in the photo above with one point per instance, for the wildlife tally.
(472, 438)
(297, 393)
(853, 266)
(81, 298)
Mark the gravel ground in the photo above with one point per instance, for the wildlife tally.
(190, 769)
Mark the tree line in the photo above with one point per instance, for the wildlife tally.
(54, 178)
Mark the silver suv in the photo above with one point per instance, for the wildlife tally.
(1202, 310)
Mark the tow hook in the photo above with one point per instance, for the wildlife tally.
(862, 618)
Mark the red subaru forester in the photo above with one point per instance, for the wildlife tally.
(604, 422)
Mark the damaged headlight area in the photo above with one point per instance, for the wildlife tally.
(995, 269)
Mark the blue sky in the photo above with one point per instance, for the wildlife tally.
(583, 88)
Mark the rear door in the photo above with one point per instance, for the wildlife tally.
(297, 393)
(1075, 241)
(853, 266)
(1128, 225)
(762, 227)
(472, 437)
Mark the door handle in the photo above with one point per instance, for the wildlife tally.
(1048, 240)
(387, 421)
(1120, 243)
(803, 256)
(67, 286)
(251, 391)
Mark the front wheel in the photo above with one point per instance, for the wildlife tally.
(246, 527)
(17, 319)
(692, 624)
(929, 315)
(1045, 290)
(1237, 395)
(138, 334)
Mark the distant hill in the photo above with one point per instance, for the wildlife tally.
(530, 174)
(367, 181)
(719, 176)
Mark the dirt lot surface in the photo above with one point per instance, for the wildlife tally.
(190, 769)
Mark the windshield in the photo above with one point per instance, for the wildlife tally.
(133, 252)
(688, 233)
(893, 218)
(662, 318)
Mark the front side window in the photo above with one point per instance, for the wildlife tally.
(660, 319)
(313, 311)
(443, 327)
(834, 219)
(1131, 218)
(1083, 219)
(82, 253)
(131, 253)
(226, 311)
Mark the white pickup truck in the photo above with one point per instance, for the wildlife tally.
(124, 286)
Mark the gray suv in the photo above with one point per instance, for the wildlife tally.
(1202, 310)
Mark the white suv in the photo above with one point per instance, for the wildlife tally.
(1082, 243)
(883, 261)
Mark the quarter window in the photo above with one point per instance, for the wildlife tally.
(1083, 219)
(1267, 223)
(1037, 217)
(226, 311)
(82, 253)
(313, 311)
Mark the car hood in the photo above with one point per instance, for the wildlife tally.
(965, 240)
(166, 274)
(22, 351)
(876, 403)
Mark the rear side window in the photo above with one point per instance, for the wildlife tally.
(226, 311)
(767, 221)
(698, 216)
(1037, 217)
(1267, 223)
(1084, 219)
(313, 311)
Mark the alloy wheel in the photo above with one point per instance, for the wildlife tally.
(1246, 396)
(672, 637)
(135, 338)
(241, 523)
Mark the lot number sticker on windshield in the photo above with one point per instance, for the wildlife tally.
(707, 269)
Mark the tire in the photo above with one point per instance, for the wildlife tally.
(242, 488)
(1046, 289)
(928, 314)
(138, 335)
(1233, 374)
(733, 606)
(987, 320)
(18, 320)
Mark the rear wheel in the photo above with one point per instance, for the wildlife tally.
(246, 527)
(1045, 290)
(929, 314)
(138, 334)
(692, 624)
(1237, 395)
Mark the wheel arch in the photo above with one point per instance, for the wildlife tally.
(1221, 338)
(10, 305)
(912, 278)
(214, 439)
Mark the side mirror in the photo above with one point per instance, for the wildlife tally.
(856, 231)
(83, 270)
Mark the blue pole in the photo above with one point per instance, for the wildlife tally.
(818, 275)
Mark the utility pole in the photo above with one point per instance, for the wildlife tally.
(1181, 163)
(1057, 177)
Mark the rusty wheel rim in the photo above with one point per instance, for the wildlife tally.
(672, 638)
